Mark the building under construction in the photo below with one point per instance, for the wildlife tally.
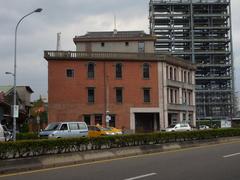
(199, 31)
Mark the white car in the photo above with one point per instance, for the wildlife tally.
(65, 130)
(2, 137)
(179, 127)
(203, 127)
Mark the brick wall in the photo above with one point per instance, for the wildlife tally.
(68, 96)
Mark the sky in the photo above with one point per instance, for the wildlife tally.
(38, 32)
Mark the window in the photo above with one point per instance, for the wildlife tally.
(146, 71)
(171, 96)
(64, 127)
(112, 122)
(70, 73)
(175, 73)
(189, 98)
(82, 126)
(141, 47)
(126, 43)
(184, 95)
(118, 70)
(91, 94)
(102, 44)
(87, 119)
(73, 126)
(167, 72)
(90, 70)
(168, 100)
(184, 76)
(119, 95)
(98, 119)
(189, 77)
(171, 73)
(176, 96)
(146, 95)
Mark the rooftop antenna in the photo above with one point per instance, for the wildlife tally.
(115, 25)
(59, 41)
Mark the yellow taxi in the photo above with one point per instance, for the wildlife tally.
(95, 131)
(116, 130)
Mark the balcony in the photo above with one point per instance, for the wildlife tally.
(180, 107)
(70, 55)
(180, 84)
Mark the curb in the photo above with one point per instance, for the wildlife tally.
(48, 161)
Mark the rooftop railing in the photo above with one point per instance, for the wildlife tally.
(189, 1)
(101, 55)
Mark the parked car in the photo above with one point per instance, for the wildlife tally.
(116, 130)
(95, 131)
(203, 127)
(2, 137)
(65, 130)
(179, 127)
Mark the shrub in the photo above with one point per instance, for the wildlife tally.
(27, 136)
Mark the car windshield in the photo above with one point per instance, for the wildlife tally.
(171, 126)
(51, 127)
(104, 129)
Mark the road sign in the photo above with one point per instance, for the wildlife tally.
(16, 111)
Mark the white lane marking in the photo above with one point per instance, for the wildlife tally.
(230, 155)
(142, 176)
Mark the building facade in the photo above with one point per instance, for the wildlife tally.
(136, 89)
(199, 31)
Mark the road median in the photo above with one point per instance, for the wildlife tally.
(56, 160)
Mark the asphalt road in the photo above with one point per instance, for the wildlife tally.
(217, 162)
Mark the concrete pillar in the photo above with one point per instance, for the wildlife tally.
(194, 118)
(132, 121)
(181, 116)
(166, 119)
(180, 96)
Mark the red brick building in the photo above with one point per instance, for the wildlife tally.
(117, 75)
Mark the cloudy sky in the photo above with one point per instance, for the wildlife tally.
(70, 17)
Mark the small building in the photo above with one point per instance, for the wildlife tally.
(115, 78)
(6, 101)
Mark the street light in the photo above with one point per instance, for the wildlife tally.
(9, 73)
(15, 74)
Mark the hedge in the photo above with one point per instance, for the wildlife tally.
(30, 148)
(26, 136)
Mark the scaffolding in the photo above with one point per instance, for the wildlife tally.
(199, 31)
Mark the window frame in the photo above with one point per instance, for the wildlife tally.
(89, 99)
(119, 100)
(71, 75)
(146, 71)
(147, 99)
(90, 70)
(141, 46)
(118, 70)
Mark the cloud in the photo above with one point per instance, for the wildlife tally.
(71, 17)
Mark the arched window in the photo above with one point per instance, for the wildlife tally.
(171, 73)
(146, 71)
(175, 74)
(90, 70)
(118, 71)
